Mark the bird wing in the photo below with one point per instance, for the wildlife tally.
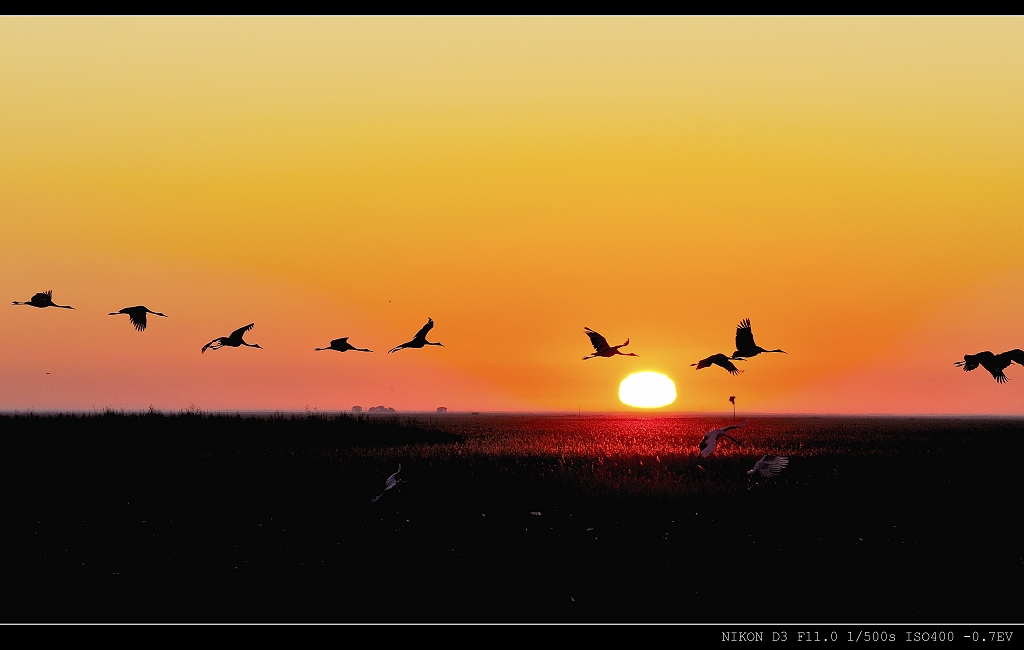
(212, 344)
(137, 316)
(241, 330)
(599, 342)
(339, 342)
(723, 361)
(1016, 356)
(422, 334)
(972, 361)
(47, 295)
(734, 426)
(744, 336)
(770, 465)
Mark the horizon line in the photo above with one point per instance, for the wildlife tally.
(560, 413)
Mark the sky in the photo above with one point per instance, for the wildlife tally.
(853, 186)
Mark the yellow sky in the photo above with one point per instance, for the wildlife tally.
(851, 185)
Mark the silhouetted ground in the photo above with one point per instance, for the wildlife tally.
(122, 517)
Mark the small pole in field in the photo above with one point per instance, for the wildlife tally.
(732, 398)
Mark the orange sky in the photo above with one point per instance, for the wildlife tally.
(853, 186)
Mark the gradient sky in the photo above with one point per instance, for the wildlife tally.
(854, 186)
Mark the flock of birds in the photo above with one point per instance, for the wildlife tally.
(766, 467)
(745, 345)
(137, 316)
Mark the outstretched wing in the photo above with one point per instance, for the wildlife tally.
(770, 465)
(599, 342)
(338, 343)
(241, 330)
(744, 336)
(422, 334)
(723, 361)
(215, 343)
(1016, 356)
(138, 317)
(734, 426)
(970, 362)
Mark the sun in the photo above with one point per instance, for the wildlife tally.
(647, 390)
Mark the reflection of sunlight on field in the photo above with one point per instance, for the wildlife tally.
(657, 456)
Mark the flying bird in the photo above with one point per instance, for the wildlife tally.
(42, 299)
(392, 481)
(419, 340)
(767, 467)
(232, 341)
(342, 345)
(601, 347)
(745, 346)
(710, 439)
(719, 360)
(994, 363)
(137, 315)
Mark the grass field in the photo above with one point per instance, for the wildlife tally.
(509, 518)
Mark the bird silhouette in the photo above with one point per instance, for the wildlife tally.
(601, 347)
(232, 341)
(745, 346)
(720, 360)
(42, 299)
(710, 439)
(994, 363)
(391, 482)
(137, 315)
(767, 467)
(342, 345)
(419, 340)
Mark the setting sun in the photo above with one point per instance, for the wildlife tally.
(647, 390)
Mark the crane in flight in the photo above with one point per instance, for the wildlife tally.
(232, 341)
(601, 347)
(419, 340)
(137, 315)
(745, 346)
(342, 345)
(710, 439)
(720, 360)
(42, 299)
(994, 363)
(391, 482)
(765, 468)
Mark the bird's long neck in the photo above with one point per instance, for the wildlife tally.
(782, 351)
(430, 343)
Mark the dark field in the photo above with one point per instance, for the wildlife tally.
(507, 518)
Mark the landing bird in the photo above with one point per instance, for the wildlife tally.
(42, 299)
(710, 439)
(601, 347)
(342, 345)
(767, 467)
(718, 360)
(994, 363)
(745, 346)
(232, 341)
(419, 340)
(392, 481)
(137, 315)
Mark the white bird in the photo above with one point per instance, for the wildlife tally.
(710, 439)
(392, 481)
(767, 467)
